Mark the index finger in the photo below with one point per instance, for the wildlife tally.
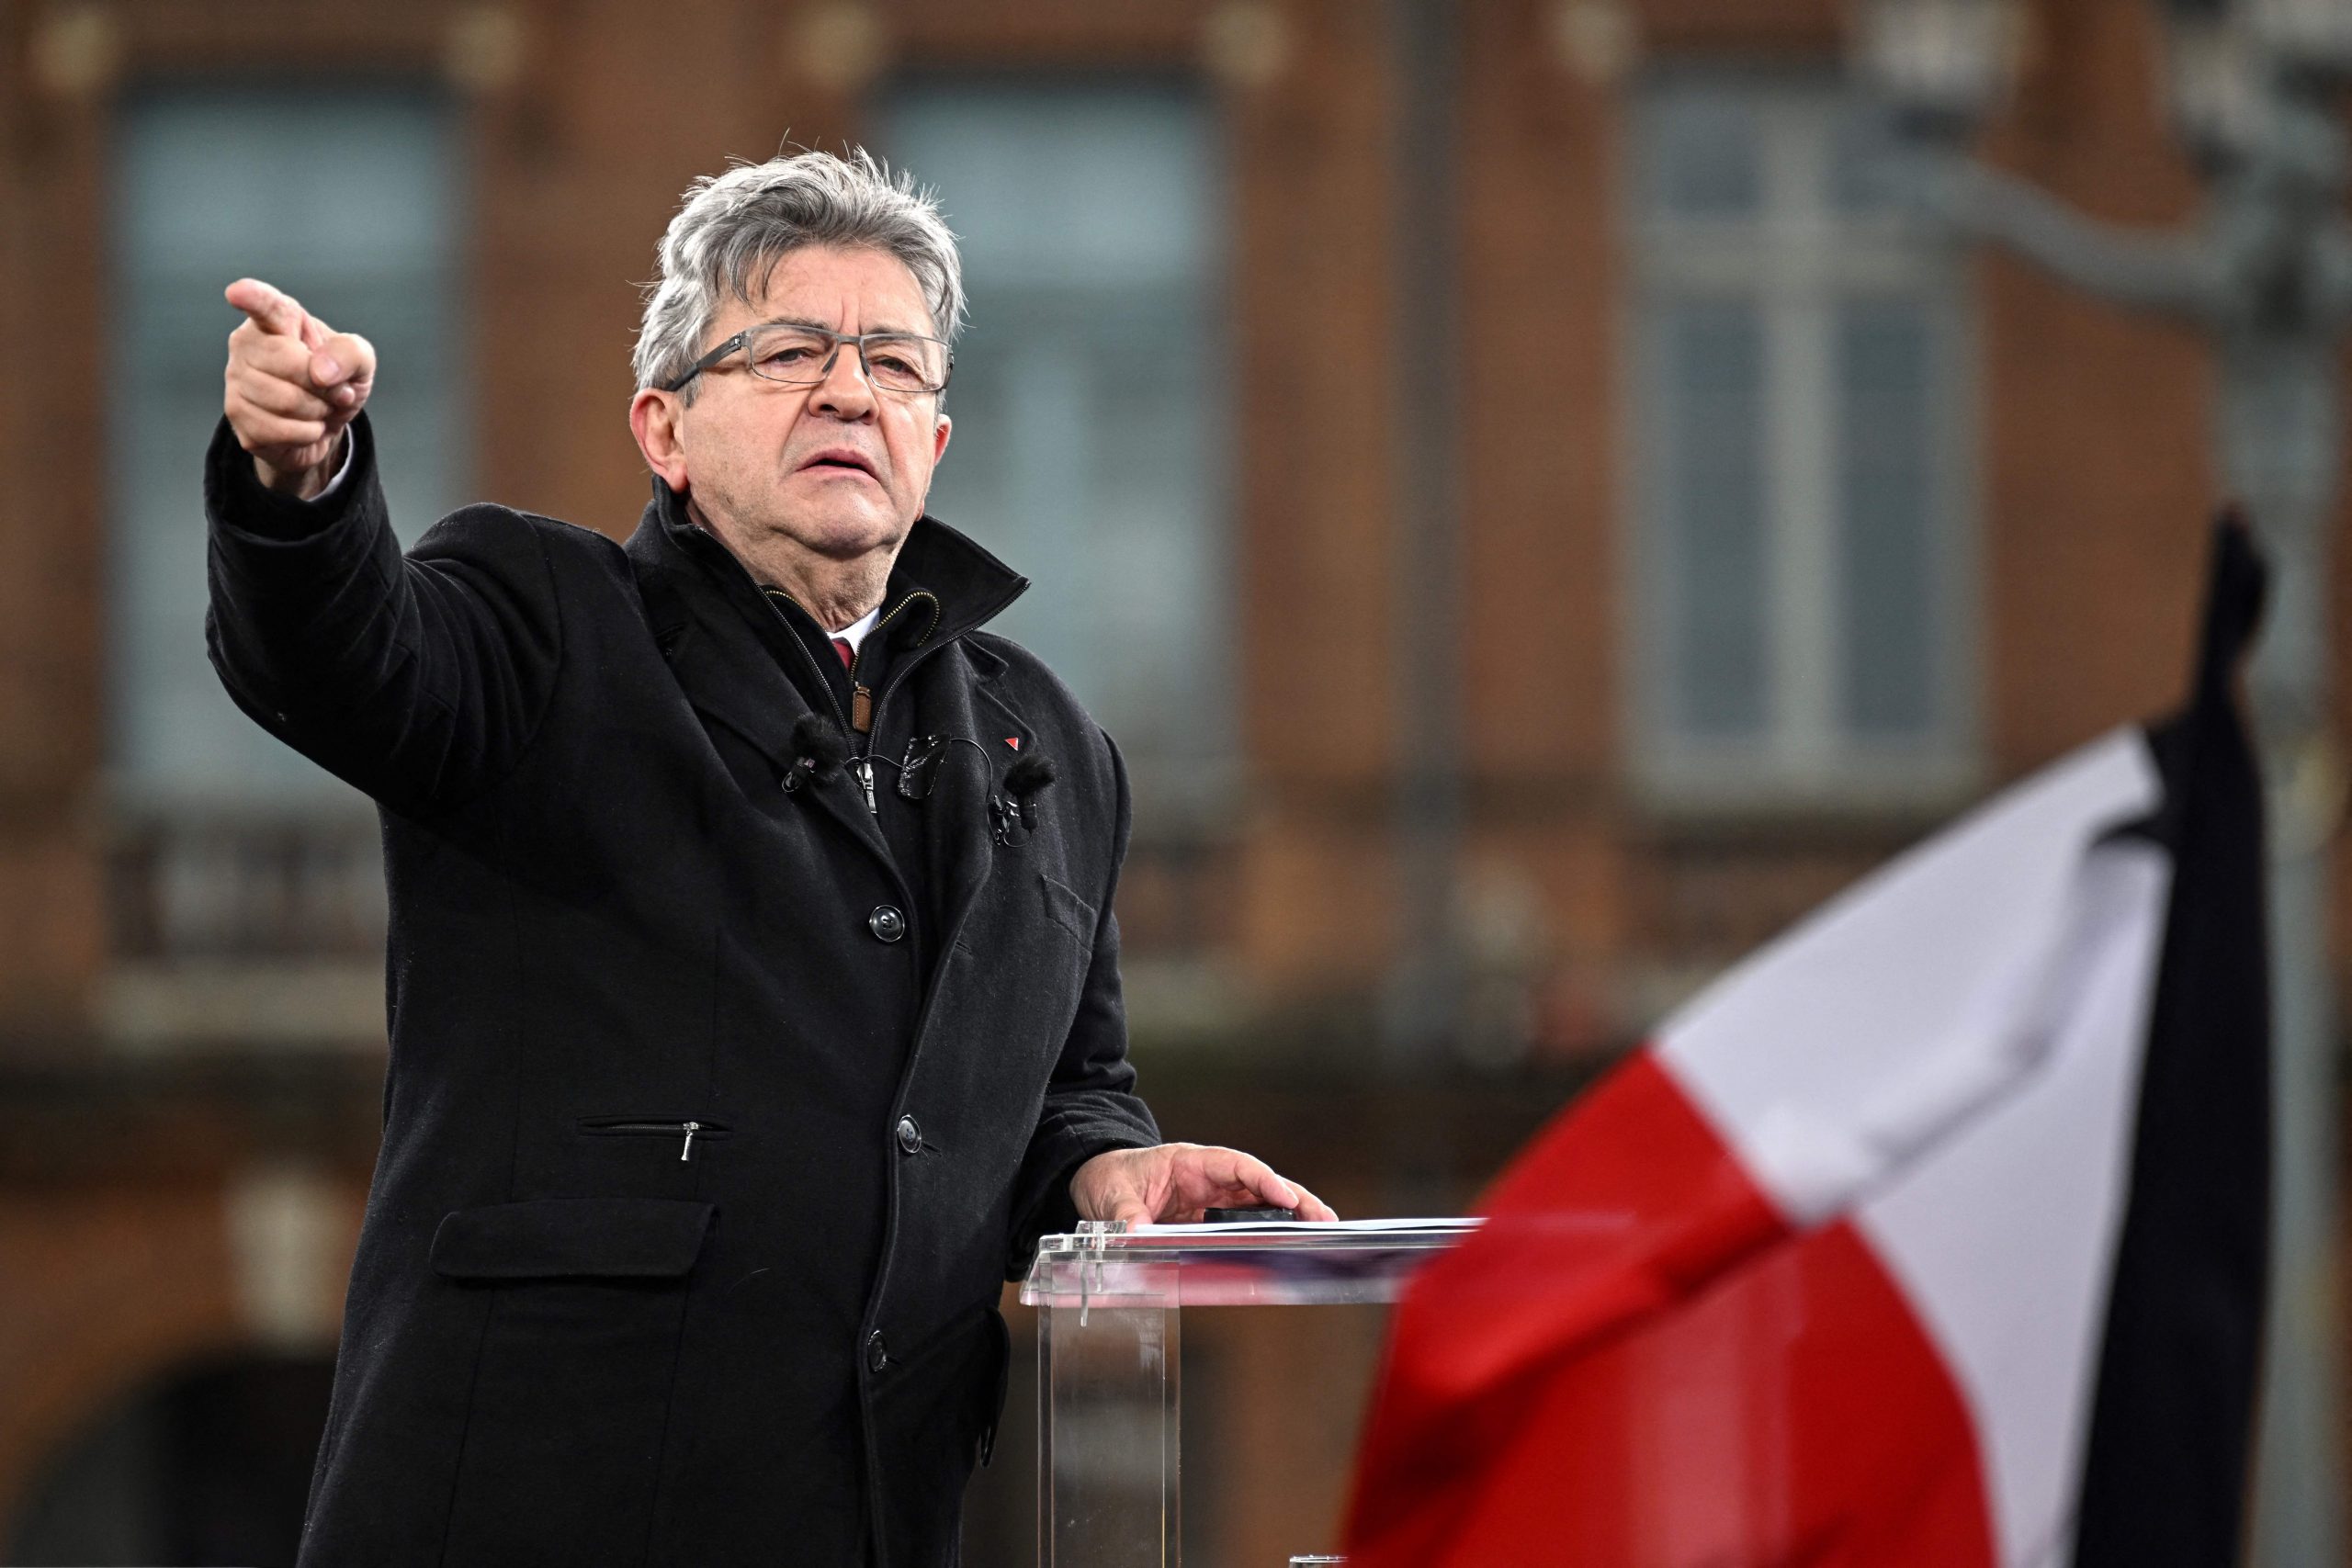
(272, 310)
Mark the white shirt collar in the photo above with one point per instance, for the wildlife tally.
(854, 632)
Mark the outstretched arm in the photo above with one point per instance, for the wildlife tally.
(419, 679)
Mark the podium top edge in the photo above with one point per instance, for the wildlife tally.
(1100, 1236)
(1233, 1264)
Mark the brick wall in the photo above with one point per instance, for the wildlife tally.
(1585, 909)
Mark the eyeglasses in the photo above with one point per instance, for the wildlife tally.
(800, 355)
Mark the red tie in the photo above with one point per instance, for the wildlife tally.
(848, 654)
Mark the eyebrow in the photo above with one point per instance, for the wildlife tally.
(821, 327)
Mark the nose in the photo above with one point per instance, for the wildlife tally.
(845, 392)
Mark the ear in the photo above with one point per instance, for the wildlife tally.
(654, 418)
(939, 438)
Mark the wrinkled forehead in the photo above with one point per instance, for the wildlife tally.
(846, 290)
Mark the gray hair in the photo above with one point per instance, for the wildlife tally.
(735, 227)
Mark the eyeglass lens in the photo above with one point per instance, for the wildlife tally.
(799, 357)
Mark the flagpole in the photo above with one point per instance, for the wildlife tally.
(2266, 275)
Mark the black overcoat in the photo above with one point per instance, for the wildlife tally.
(574, 1334)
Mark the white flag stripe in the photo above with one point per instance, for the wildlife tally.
(1950, 1052)
(2004, 1237)
(1824, 1028)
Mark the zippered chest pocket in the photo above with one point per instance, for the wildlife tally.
(685, 1130)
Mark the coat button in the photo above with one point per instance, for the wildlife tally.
(910, 1137)
(878, 1354)
(886, 923)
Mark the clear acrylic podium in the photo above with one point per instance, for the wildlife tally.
(1108, 1348)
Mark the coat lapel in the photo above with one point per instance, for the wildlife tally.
(733, 680)
(729, 653)
(956, 820)
(732, 676)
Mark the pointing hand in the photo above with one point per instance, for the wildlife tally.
(293, 384)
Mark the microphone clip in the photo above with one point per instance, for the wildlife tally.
(817, 748)
(1017, 805)
(1010, 821)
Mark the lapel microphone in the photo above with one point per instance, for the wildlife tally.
(1012, 805)
(1024, 783)
(819, 748)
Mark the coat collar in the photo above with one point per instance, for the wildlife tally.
(972, 586)
(730, 649)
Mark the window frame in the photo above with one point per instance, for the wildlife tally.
(1796, 261)
(141, 767)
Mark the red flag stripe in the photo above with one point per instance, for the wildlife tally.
(1796, 1414)
(1817, 1278)
(1947, 1057)
(1548, 1413)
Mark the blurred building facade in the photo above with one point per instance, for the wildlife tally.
(1775, 529)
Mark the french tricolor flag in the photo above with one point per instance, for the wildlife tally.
(1932, 1236)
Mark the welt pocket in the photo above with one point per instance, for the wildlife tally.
(559, 1238)
(1067, 910)
(685, 1130)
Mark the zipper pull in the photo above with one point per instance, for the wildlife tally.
(861, 708)
(692, 1128)
(864, 766)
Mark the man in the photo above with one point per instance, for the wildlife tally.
(753, 988)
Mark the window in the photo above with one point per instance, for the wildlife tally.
(227, 846)
(1801, 444)
(349, 200)
(1088, 451)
